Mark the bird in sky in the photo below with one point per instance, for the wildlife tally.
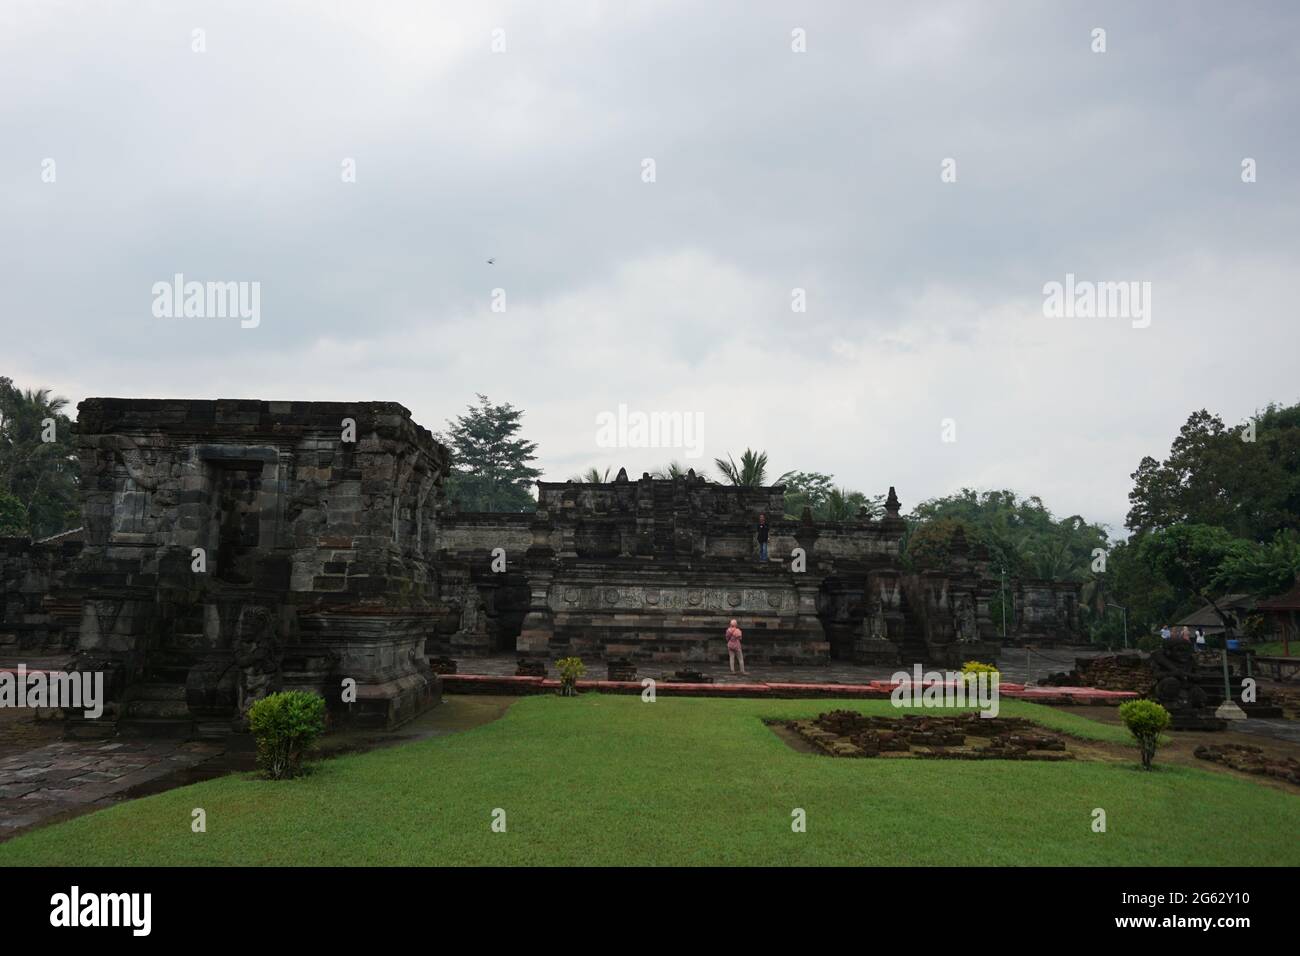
(492, 262)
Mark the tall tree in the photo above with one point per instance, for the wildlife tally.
(38, 465)
(807, 489)
(1268, 568)
(1244, 479)
(13, 516)
(490, 463)
(1147, 597)
(1189, 557)
(1021, 534)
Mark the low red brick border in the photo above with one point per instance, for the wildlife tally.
(875, 690)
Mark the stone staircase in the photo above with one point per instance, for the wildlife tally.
(155, 709)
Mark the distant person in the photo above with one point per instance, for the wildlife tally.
(1200, 638)
(734, 650)
(762, 539)
(1186, 634)
(1165, 633)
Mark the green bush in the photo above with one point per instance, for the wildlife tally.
(284, 726)
(1145, 719)
(973, 668)
(1149, 642)
(571, 668)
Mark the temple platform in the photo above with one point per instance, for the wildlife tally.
(497, 675)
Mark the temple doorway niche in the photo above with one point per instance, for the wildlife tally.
(236, 522)
(841, 607)
(507, 606)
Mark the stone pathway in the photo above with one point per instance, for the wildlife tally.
(70, 776)
(1276, 728)
(44, 778)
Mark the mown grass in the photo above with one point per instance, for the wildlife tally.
(612, 780)
(1276, 649)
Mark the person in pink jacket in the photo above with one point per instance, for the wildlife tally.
(734, 651)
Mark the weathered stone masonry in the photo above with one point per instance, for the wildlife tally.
(235, 548)
(652, 570)
(317, 555)
(39, 613)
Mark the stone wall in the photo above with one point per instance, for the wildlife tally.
(464, 532)
(39, 614)
(664, 613)
(237, 547)
(1046, 613)
(232, 548)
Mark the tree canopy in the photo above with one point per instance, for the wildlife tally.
(39, 473)
(1244, 479)
(1021, 534)
(490, 468)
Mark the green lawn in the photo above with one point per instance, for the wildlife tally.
(1275, 649)
(613, 780)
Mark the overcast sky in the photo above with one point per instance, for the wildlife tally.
(774, 170)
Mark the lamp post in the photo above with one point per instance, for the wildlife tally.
(1004, 604)
(1125, 610)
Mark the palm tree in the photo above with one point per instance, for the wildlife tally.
(38, 475)
(845, 505)
(752, 472)
(593, 476)
(22, 413)
(674, 469)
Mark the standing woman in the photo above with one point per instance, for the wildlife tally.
(734, 650)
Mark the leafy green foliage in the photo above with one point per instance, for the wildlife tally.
(1130, 582)
(1213, 476)
(1021, 534)
(1261, 568)
(826, 501)
(972, 670)
(1189, 557)
(1148, 642)
(571, 671)
(13, 516)
(284, 726)
(1145, 720)
(809, 489)
(674, 469)
(490, 463)
(750, 473)
(930, 543)
(38, 478)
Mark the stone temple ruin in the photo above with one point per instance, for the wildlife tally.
(233, 548)
(652, 569)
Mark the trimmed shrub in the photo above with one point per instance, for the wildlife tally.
(284, 726)
(973, 668)
(571, 668)
(1145, 719)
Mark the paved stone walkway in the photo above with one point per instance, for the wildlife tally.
(69, 776)
(1277, 729)
(44, 778)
